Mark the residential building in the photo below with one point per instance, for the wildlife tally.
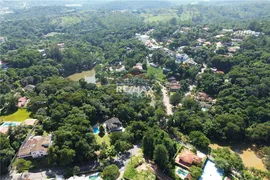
(113, 124)
(181, 58)
(23, 101)
(35, 146)
(201, 41)
(187, 158)
(166, 70)
(190, 61)
(3, 65)
(2, 40)
(206, 28)
(30, 122)
(219, 36)
(172, 78)
(138, 66)
(174, 86)
(154, 65)
(227, 30)
(233, 49)
(205, 105)
(29, 87)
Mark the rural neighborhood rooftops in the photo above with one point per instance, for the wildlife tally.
(23, 101)
(5, 126)
(174, 86)
(2, 39)
(187, 158)
(138, 66)
(172, 78)
(30, 122)
(29, 87)
(154, 65)
(34, 144)
(113, 124)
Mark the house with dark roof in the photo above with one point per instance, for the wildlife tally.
(172, 78)
(113, 124)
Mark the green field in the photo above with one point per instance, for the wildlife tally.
(105, 139)
(167, 14)
(66, 20)
(18, 116)
(156, 72)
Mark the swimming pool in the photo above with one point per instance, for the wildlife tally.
(211, 172)
(9, 124)
(182, 173)
(95, 176)
(96, 130)
(204, 109)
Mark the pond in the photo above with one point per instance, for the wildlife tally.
(89, 76)
(247, 154)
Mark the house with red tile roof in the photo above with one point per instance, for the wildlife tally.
(187, 158)
(23, 101)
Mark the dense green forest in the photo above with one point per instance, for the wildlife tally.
(75, 40)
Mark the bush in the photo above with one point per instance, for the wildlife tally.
(23, 165)
(110, 172)
(101, 131)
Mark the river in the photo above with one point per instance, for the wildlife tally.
(89, 76)
(247, 154)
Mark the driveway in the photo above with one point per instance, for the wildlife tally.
(125, 158)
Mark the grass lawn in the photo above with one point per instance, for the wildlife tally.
(132, 173)
(18, 116)
(105, 139)
(156, 72)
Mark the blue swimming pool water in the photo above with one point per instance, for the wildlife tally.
(204, 109)
(96, 130)
(211, 172)
(9, 124)
(182, 173)
(94, 176)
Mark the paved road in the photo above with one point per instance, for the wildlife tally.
(125, 158)
(40, 174)
(166, 99)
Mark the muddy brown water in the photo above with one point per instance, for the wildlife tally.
(247, 153)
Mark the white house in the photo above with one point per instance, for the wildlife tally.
(181, 58)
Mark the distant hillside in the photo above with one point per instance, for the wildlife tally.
(135, 4)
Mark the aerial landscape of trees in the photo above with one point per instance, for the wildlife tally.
(44, 46)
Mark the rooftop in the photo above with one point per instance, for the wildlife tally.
(186, 158)
(35, 143)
